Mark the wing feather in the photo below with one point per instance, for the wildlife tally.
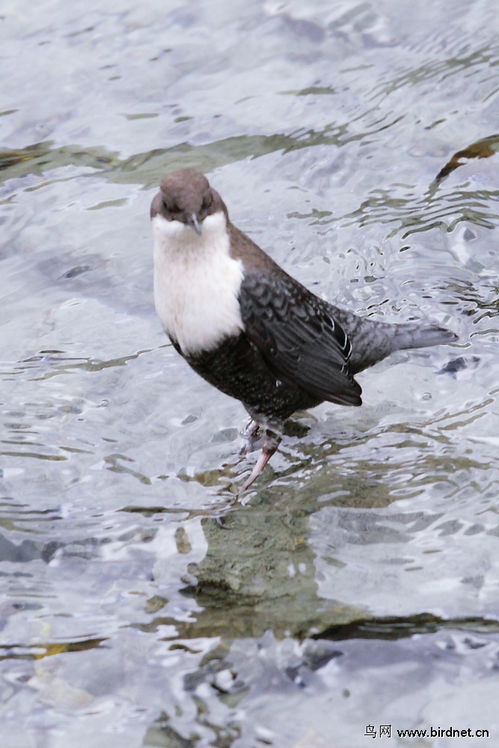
(298, 337)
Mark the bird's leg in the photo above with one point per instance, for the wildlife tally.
(270, 443)
(250, 436)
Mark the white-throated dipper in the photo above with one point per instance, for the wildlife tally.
(248, 327)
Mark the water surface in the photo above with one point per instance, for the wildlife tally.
(357, 582)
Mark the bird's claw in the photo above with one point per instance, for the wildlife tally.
(251, 437)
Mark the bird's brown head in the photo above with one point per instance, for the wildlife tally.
(186, 196)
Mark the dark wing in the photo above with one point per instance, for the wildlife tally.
(298, 337)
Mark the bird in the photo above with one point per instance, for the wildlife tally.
(248, 327)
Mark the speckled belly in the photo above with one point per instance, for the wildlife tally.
(238, 369)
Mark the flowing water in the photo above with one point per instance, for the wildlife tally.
(354, 591)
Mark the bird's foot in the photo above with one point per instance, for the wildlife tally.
(270, 443)
(250, 437)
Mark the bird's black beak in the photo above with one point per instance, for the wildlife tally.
(194, 223)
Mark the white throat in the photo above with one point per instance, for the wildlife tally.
(196, 283)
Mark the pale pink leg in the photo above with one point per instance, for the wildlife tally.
(271, 442)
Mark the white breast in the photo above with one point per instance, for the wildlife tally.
(196, 282)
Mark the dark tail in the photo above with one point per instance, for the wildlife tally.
(372, 341)
(415, 336)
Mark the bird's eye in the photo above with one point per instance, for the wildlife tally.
(207, 201)
(171, 207)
